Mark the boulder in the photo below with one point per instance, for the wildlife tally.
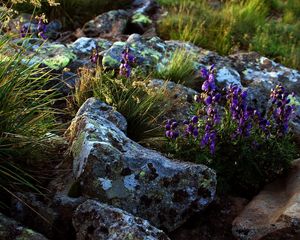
(53, 55)
(85, 45)
(10, 229)
(109, 24)
(181, 99)
(116, 170)
(274, 213)
(94, 220)
(255, 68)
(146, 56)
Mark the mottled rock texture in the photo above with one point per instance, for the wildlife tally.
(94, 220)
(112, 23)
(274, 214)
(120, 172)
(10, 229)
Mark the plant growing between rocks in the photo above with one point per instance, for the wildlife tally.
(27, 117)
(179, 69)
(247, 148)
(129, 95)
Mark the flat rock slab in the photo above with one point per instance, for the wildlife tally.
(94, 220)
(118, 171)
(274, 213)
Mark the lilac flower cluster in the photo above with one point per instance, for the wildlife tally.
(126, 62)
(42, 28)
(24, 30)
(282, 111)
(191, 127)
(171, 129)
(211, 99)
(95, 55)
(239, 111)
(241, 120)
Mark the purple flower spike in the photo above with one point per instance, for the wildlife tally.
(282, 111)
(42, 27)
(126, 62)
(95, 55)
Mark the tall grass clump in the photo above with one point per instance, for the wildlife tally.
(26, 116)
(179, 69)
(141, 107)
(270, 27)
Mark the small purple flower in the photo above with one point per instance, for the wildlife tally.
(126, 62)
(95, 55)
(24, 30)
(208, 100)
(195, 119)
(195, 132)
(174, 125)
(204, 72)
(190, 128)
(217, 97)
(42, 27)
(205, 86)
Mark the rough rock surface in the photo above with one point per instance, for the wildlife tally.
(274, 213)
(85, 45)
(10, 229)
(180, 97)
(94, 220)
(53, 55)
(112, 23)
(120, 172)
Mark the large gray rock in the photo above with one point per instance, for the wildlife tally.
(274, 213)
(112, 23)
(84, 45)
(120, 172)
(10, 229)
(94, 220)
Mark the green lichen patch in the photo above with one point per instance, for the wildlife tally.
(141, 19)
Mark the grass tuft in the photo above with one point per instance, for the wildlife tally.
(180, 68)
(130, 97)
